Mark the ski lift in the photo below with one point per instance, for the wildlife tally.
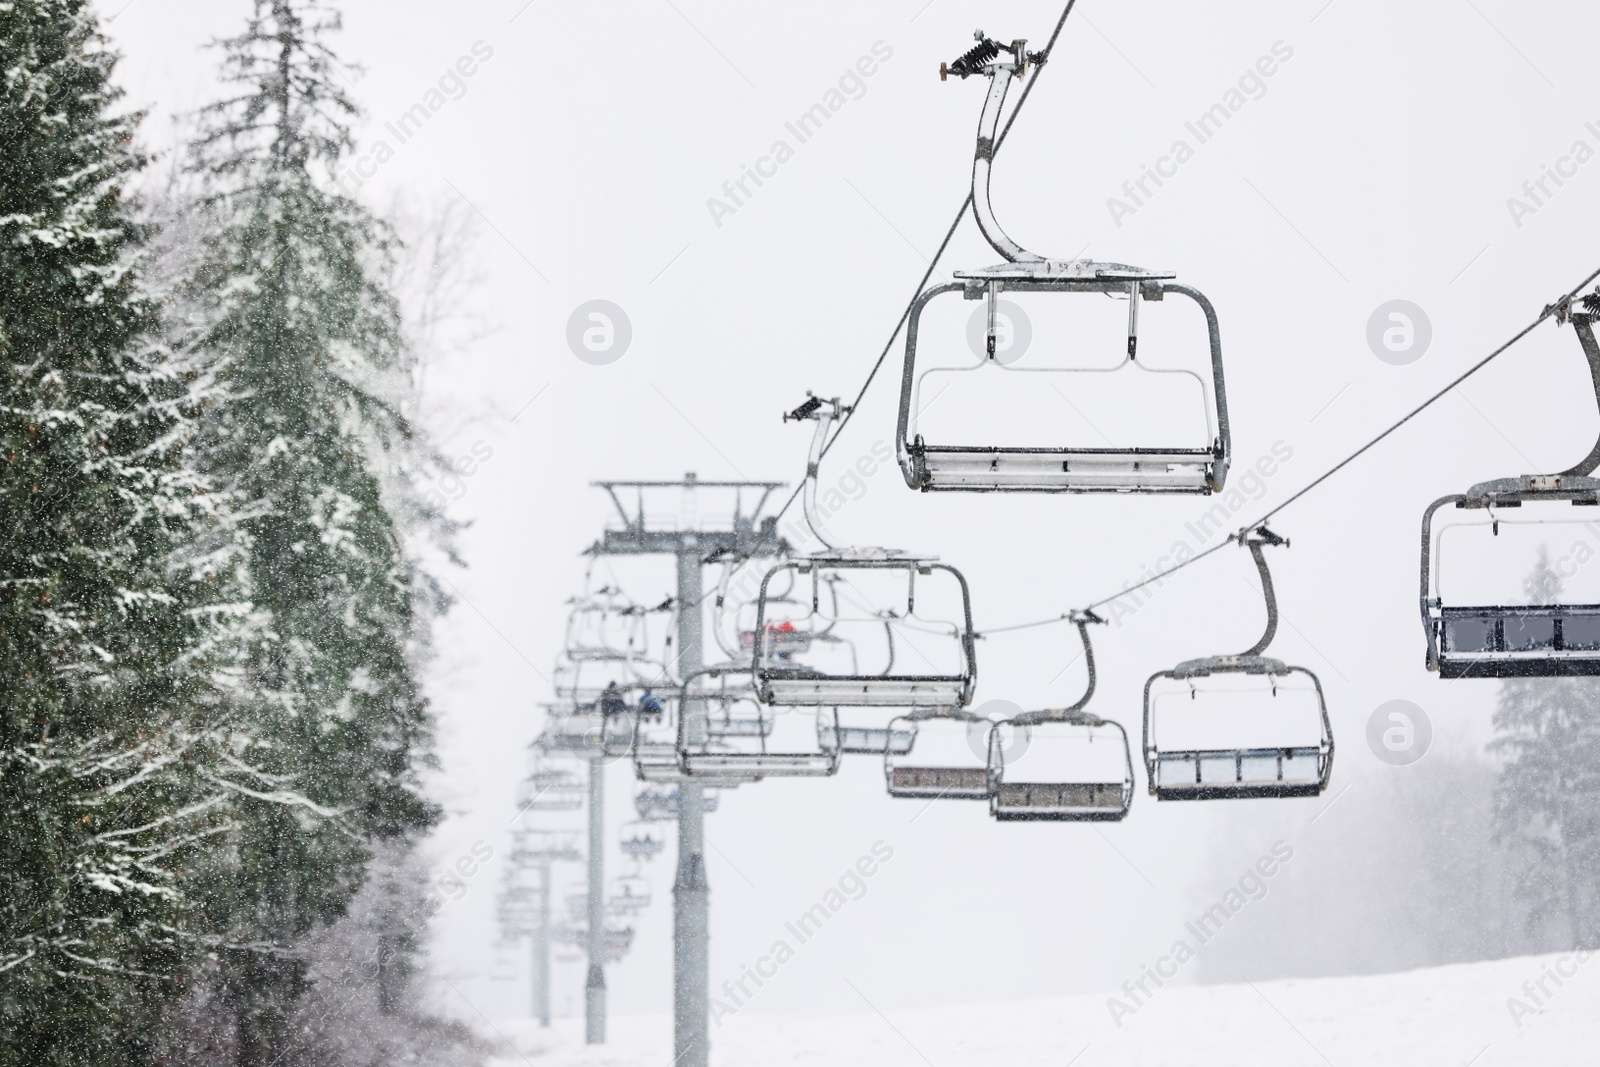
(870, 597)
(550, 789)
(517, 910)
(1501, 640)
(949, 761)
(737, 719)
(1050, 770)
(1261, 701)
(658, 803)
(630, 893)
(1200, 466)
(641, 841)
(582, 682)
(535, 848)
(852, 738)
(591, 730)
(503, 969)
(748, 757)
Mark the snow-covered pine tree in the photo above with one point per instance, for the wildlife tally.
(306, 345)
(1548, 798)
(109, 627)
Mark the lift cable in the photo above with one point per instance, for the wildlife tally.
(1039, 61)
(1243, 531)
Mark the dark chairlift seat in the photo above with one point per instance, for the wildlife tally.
(1059, 791)
(1519, 640)
(958, 771)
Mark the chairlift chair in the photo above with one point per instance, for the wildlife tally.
(1047, 772)
(550, 788)
(949, 760)
(1199, 467)
(1535, 640)
(605, 626)
(659, 803)
(630, 893)
(641, 841)
(862, 593)
(586, 731)
(722, 694)
(535, 848)
(852, 738)
(1300, 768)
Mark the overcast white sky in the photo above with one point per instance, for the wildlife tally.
(1375, 164)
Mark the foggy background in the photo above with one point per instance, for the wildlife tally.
(1374, 165)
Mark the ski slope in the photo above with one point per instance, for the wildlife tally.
(1455, 1015)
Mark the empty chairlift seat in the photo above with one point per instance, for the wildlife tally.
(1198, 465)
(949, 760)
(1238, 726)
(849, 737)
(787, 749)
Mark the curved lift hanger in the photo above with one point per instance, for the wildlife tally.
(1223, 773)
(1061, 796)
(1519, 640)
(788, 683)
(994, 468)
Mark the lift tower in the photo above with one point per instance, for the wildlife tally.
(695, 531)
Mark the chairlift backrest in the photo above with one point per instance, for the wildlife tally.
(981, 466)
(1265, 750)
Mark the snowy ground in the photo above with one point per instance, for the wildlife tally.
(1456, 1015)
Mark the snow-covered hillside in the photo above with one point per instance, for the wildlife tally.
(1530, 1010)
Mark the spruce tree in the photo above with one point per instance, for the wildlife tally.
(305, 342)
(1548, 800)
(108, 636)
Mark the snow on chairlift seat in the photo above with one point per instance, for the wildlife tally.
(1040, 778)
(949, 760)
(1200, 468)
(1192, 772)
(787, 683)
(1520, 640)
